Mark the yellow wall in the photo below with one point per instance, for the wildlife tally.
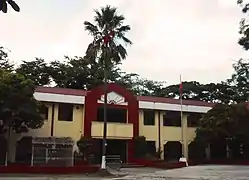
(168, 133)
(150, 132)
(72, 129)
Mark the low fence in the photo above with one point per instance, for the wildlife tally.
(51, 156)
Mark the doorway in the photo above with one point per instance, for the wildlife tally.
(116, 147)
(172, 151)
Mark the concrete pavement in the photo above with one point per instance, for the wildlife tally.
(207, 172)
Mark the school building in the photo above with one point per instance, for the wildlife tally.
(75, 113)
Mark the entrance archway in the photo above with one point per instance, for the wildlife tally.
(126, 100)
(172, 151)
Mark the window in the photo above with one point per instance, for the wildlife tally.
(44, 111)
(193, 119)
(172, 118)
(149, 117)
(65, 112)
(113, 114)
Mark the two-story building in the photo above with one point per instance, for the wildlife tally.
(76, 113)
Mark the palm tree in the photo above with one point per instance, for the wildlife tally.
(3, 5)
(108, 34)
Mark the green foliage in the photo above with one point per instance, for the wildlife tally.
(18, 108)
(4, 61)
(4, 5)
(192, 90)
(108, 24)
(224, 122)
(240, 80)
(84, 145)
(140, 147)
(38, 71)
(244, 25)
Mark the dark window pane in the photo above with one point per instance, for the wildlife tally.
(113, 114)
(65, 112)
(172, 118)
(149, 117)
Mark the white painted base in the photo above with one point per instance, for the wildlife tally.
(103, 163)
(6, 159)
(183, 159)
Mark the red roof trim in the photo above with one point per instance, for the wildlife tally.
(75, 92)
(174, 101)
(65, 91)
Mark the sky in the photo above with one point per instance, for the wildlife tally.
(196, 39)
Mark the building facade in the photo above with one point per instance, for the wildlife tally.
(76, 113)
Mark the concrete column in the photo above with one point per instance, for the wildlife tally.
(161, 133)
(185, 135)
(208, 152)
(159, 124)
(140, 123)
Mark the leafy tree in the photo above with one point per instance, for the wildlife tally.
(244, 26)
(224, 122)
(38, 71)
(84, 145)
(217, 93)
(4, 60)
(78, 73)
(18, 108)
(4, 5)
(192, 90)
(140, 86)
(140, 146)
(240, 80)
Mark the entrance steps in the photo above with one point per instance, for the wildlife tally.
(131, 165)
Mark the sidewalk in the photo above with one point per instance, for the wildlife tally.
(122, 172)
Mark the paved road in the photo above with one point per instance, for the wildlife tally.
(197, 173)
(189, 173)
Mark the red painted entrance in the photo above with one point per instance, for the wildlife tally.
(91, 105)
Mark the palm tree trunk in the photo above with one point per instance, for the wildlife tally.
(104, 144)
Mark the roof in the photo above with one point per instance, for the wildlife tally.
(174, 101)
(77, 92)
(65, 91)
